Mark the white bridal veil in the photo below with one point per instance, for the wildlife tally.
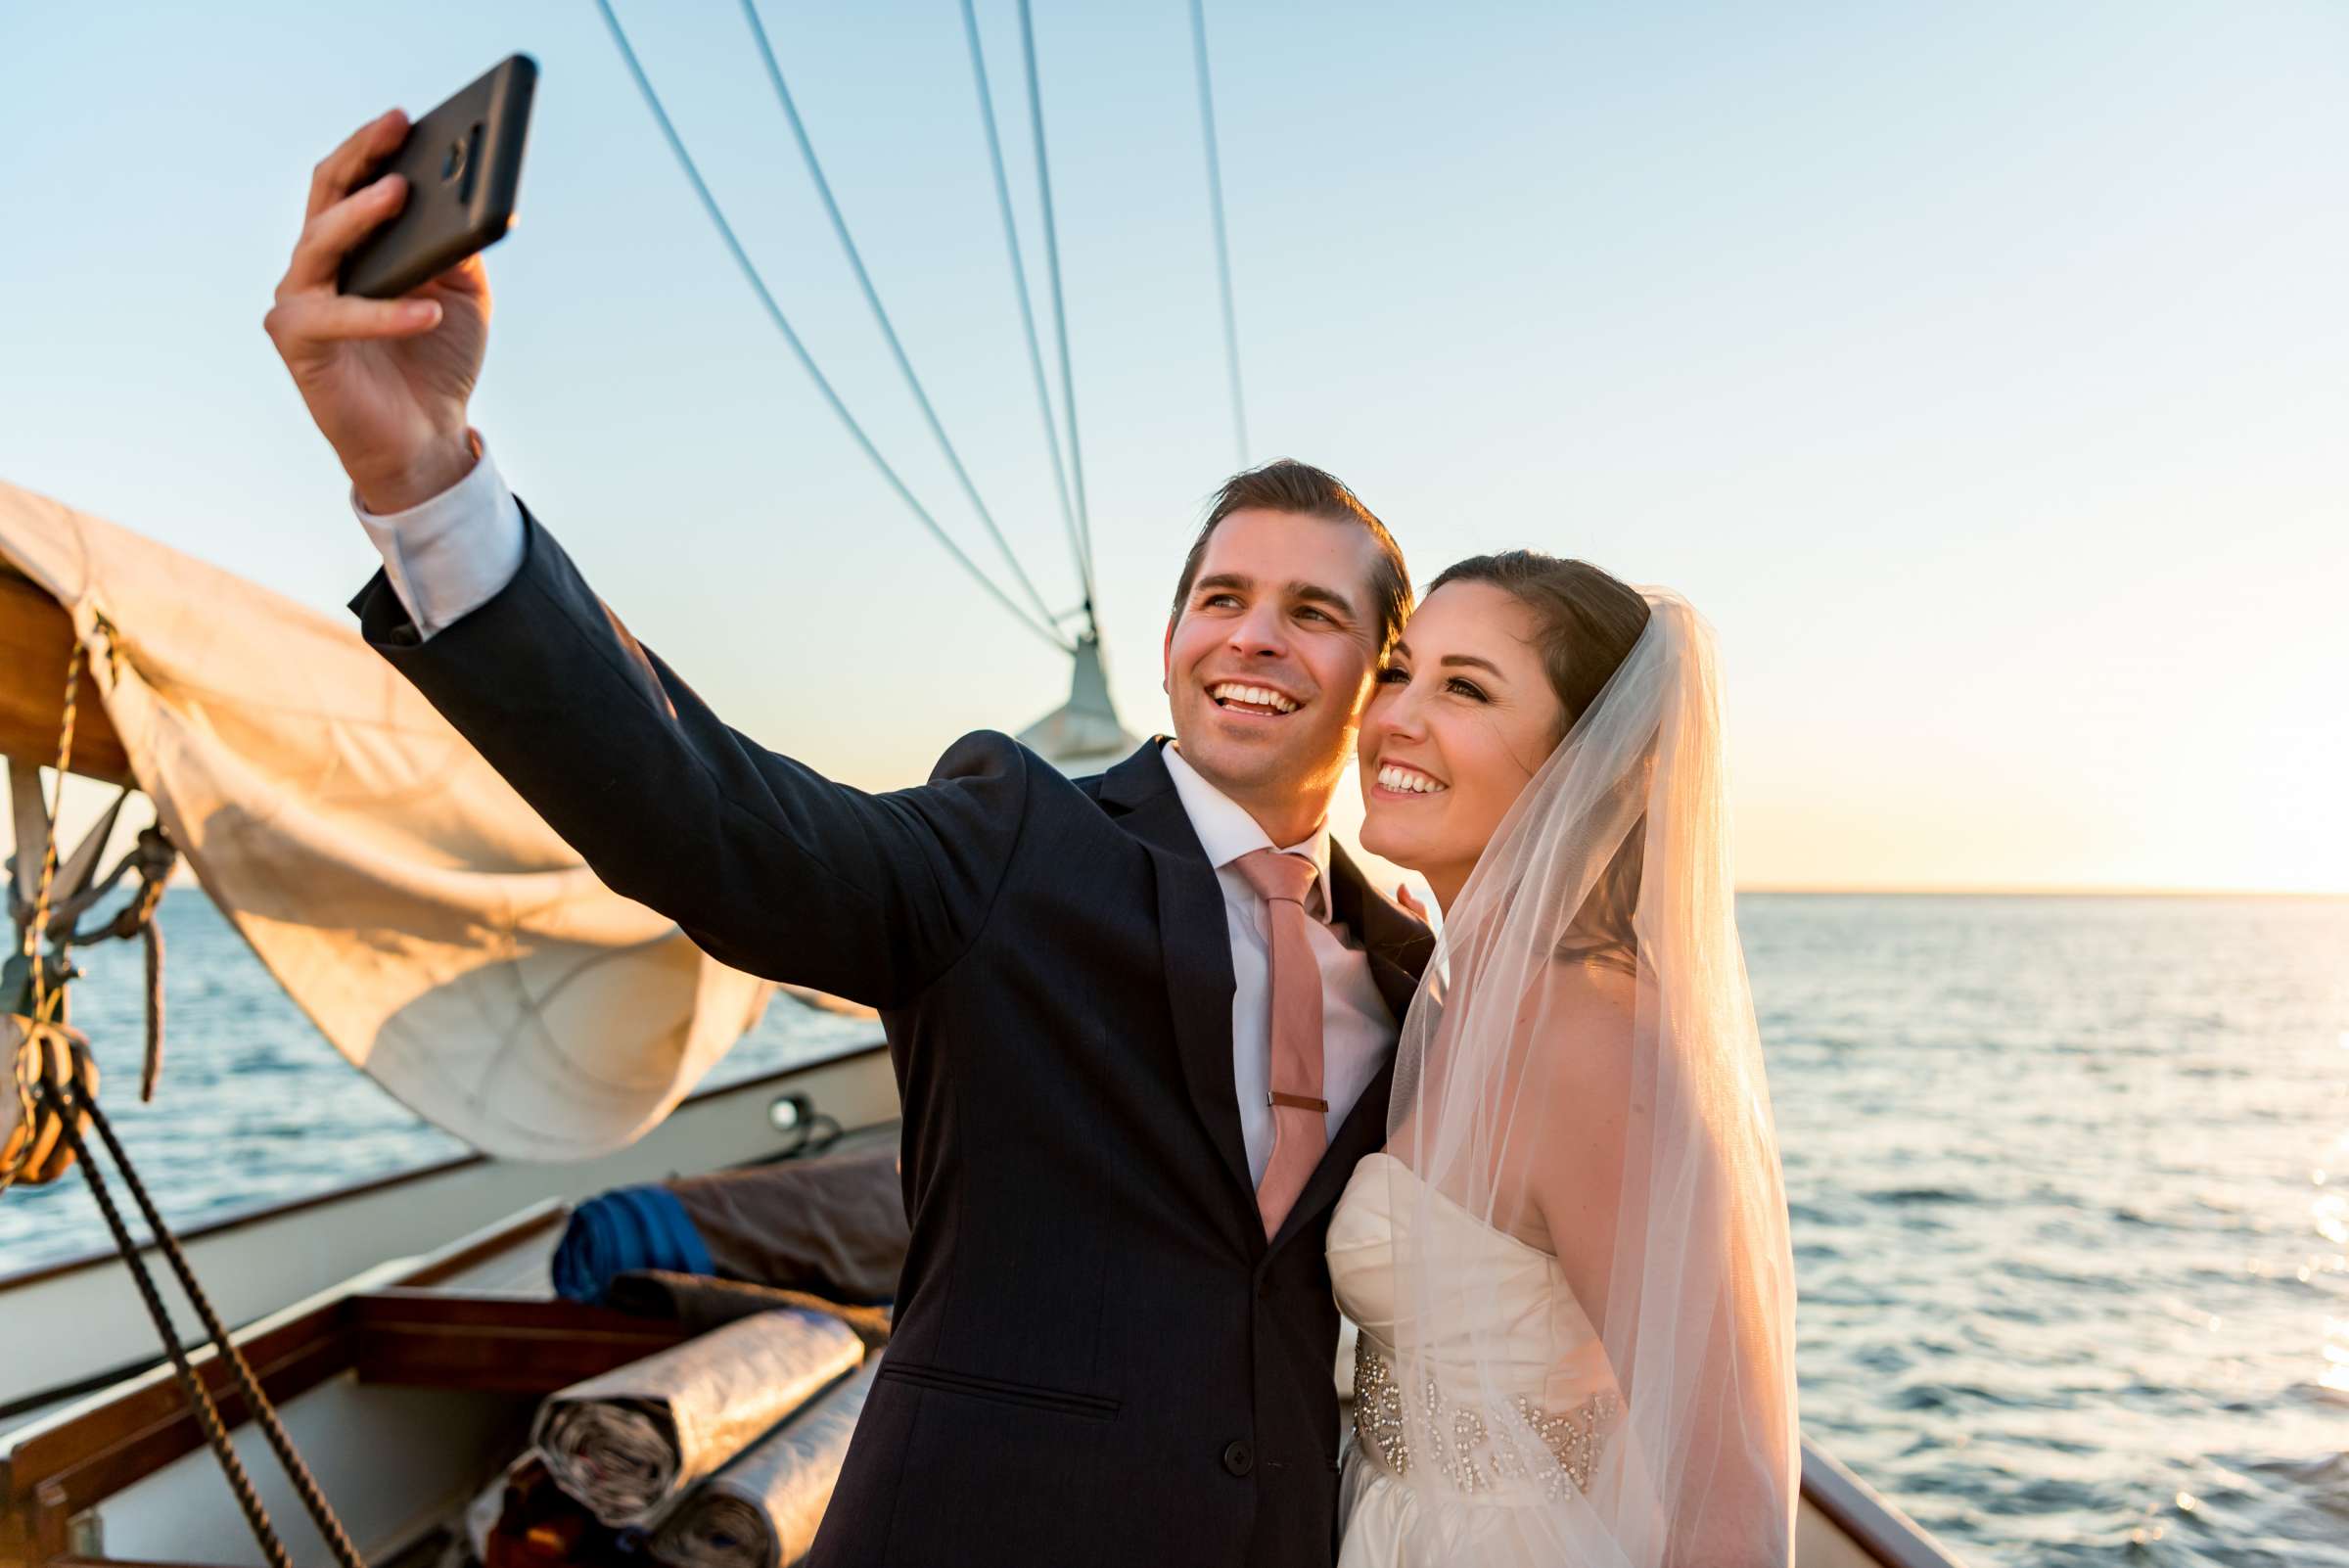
(1582, 1073)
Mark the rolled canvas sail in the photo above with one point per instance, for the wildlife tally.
(435, 929)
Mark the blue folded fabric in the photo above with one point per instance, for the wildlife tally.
(625, 1228)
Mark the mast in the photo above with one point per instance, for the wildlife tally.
(1083, 735)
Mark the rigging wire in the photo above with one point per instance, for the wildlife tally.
(791, 339)
(1215, 192)
(1019, 288)
(1060, 313)
(872, 297)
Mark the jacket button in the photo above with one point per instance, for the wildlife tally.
(1238, 1457)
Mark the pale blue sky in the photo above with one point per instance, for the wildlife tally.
(1978, 369)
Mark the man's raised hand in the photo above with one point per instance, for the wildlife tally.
(386, 380)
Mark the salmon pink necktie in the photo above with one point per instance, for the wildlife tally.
(1299, 1113)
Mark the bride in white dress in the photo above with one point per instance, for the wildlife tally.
(1570, 1264)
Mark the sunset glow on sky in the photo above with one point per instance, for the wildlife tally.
(1976, 370)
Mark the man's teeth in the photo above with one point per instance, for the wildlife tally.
(1260, 696)
(1410, 780)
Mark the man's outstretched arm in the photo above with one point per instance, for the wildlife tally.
(768, 864)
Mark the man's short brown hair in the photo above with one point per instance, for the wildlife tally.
(1301, 490)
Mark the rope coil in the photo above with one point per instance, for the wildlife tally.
(30, 1064)
(44, 1052)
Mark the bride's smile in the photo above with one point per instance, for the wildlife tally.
(1462, 717)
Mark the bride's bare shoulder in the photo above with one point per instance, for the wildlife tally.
(1598, 996)
(1577, 1022)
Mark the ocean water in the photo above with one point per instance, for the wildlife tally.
(2069, 1181)
(2070, 1193)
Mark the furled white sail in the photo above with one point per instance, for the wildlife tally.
(436, 930)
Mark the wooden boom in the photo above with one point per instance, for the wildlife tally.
(35, 637)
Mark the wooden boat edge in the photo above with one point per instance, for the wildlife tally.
(1864, 1517)
(392, 1326)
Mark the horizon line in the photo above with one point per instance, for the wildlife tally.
(2029, 890)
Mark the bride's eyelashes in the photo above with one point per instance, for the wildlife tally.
(1459, 685)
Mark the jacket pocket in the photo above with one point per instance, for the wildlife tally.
(1087, 1407)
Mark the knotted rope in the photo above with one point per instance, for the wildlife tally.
(56, 1083)
(29, 1059)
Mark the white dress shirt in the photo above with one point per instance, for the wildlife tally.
(1357, 1029)
(450, 555)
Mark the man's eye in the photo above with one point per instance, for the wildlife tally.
(1215, 601)
(1317, 614)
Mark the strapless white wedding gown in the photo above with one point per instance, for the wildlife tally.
(1480, 1501)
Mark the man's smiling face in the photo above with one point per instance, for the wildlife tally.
(1269, 660)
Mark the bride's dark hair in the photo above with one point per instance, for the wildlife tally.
(1586, 624)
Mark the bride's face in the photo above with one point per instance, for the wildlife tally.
(1461, 719)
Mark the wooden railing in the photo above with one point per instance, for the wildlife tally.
(1884, 1533)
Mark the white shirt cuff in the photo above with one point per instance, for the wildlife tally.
(448, 556)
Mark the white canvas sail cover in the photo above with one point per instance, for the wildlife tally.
(431, 926)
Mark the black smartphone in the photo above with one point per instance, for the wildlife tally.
(464, 166)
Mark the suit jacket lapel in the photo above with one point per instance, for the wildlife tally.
(1196, 942)
(1396, 942)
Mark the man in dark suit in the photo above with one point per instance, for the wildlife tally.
(1115, 1332)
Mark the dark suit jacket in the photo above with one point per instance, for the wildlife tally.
(1098, 1357)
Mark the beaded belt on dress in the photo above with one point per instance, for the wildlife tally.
(1554, 1448)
